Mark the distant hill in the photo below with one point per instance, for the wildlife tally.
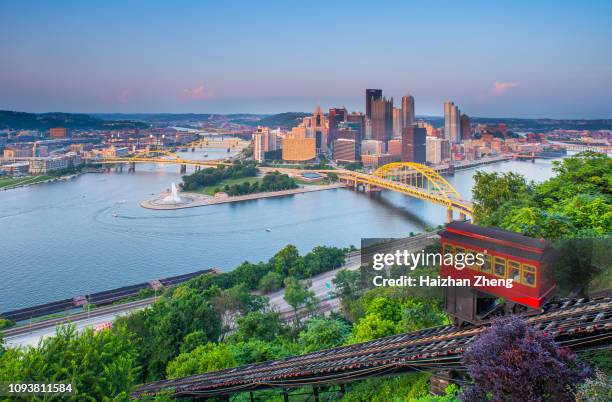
(44, 121)
(176, 117)
(284, 120)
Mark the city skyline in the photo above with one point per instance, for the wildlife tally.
(548, 60)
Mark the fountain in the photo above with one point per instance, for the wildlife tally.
(173, 197)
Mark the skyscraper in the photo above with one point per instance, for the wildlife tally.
(316, 127)
(358, 121)
(382, 119)
(408, 116)
(259, 143)
(371, 95)
(413, 144)
(452, 123)
(336, 116)
(397, 122)
(466, 132)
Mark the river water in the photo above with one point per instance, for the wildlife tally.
(88, 234)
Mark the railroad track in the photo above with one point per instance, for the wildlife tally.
(575, 323)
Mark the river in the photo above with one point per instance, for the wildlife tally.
(88, 234)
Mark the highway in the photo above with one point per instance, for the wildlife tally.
(321, 285)
(31, 334)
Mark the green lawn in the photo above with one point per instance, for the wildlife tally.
(210, 190)
(22, 180)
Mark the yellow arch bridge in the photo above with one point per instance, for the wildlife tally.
(415, 180)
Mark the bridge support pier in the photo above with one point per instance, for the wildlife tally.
(183, 169)
(449, 215)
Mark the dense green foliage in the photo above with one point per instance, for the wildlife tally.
(274, 181)
(388, 312)
(576, 202)
(208, 308)
(396, 389)
(99, 366)
(212, 176)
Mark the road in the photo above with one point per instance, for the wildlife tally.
(31, 334)
(321, 285)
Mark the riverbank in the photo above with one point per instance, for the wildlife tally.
(199, 200)
(13, 183)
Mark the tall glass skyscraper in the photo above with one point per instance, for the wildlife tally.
(452, 123)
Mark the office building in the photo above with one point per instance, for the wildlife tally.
(394, 147)
(452, 123)
(466, 131)
(356, 121)
(371, 95)
(337, 115)
(382, 119)
(408, 116)
(259, 143)
(372, 147)
(345, 150)
(377, 160)
(397, 122)
(316, 127)
(438, 150)
(58, 133)
(414, 144)
(299, 149)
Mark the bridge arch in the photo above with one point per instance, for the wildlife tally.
(419, 181)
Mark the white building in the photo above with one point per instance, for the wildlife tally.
(437, 150)
(372, 147)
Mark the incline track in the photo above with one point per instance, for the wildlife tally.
(575, 323)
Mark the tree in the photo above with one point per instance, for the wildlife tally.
(297, 296)
(491, 190)
(256, 350)
(417, 314)
(258, 325)
(287, 262)
(322, 259)
(513, 362)
(192, 340)
(99, 366)
(204, 358)
(323, 333)
(270, 282)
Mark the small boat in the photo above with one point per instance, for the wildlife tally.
(268, 230)
(115, 215)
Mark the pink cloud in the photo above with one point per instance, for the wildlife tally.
(501, 87)
(197, 93)
(124, 96)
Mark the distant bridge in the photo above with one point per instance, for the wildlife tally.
(604, 149)
(415, 180)
(158, 156)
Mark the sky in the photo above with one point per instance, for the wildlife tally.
(531, 59)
